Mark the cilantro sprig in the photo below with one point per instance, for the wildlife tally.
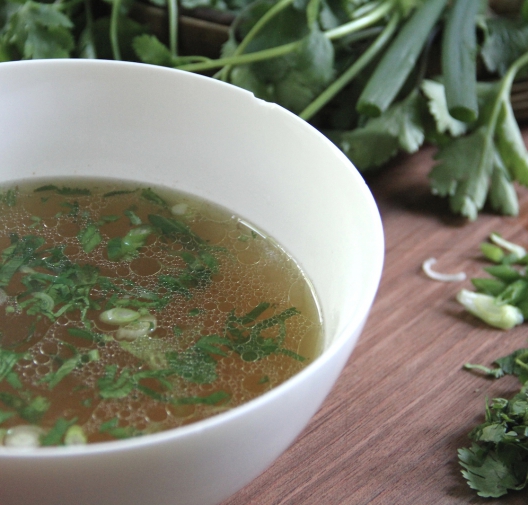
(497, 460)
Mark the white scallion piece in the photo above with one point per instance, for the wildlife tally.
(515, 249)
(487, 308)
(179, 209)
(75, 436)
(23, 436)
(119, 316)
(139, 328)
(437, 276)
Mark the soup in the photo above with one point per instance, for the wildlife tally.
(128, 310)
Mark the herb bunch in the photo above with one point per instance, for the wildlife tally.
(497, 461)
(378, 77)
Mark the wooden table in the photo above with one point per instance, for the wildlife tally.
(389, 431)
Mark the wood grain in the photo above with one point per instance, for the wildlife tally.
(389, 430)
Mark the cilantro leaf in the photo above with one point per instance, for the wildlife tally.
(89, 237)
(112, 428)
(55, 436)
(437, 104)
(173, 228)
(464, 172)
(247, 335)
(21, 252)
(37, 30)
(310, 72)
(126, 248)
(515, 363)
(150, 50)
(399, 127)
(151, 196)
(8, 359)
(5, 415)
(29, 409)
(9, 197)
(292, 80)
(490, 472)
(193, 365)
(505, 41)
(113, 386)
(67, 367)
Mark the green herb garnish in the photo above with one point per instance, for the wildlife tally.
(55, 436)
(497, 461)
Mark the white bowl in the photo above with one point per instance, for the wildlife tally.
(162, 126)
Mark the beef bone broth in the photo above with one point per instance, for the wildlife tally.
(127, 310)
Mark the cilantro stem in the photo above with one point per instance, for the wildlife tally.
(172, 8)
(367, 20)
(353, 71)
(114, 23)
(268, 16)
(505, 89)
(89, 28)
(262, 21)
(242, 59)
(521, 364)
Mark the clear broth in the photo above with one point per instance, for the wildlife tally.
(229, 314)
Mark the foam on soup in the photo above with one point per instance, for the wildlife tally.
(127, 310)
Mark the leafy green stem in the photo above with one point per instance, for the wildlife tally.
(520, 363)
(241, 59)
(89, 28)
(172, 8)
(268, 16)
(353, 71)
(505, 89)
(265, 19)
(365, 21)
(114, 24)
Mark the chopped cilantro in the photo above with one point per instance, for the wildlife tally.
(64, 191)
(112, 428)
(55, 436)
(9, 197)
(113, 386)
(212, 399)
(28, 408)
(193, 365)
(151, 196)
(126, 248)
(119, 192)
(67, 367)
(8, 359)
(5, 415)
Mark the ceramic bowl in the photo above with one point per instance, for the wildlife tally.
(165, 127)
